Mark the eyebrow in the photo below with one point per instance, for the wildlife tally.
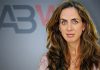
(63, 19)
(76, 19)
(71, 19)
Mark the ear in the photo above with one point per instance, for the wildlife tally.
(84, 26)
(83, 29)
(59, 29)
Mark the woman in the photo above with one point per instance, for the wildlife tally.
(72, 40)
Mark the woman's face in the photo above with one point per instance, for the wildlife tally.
(71, 25)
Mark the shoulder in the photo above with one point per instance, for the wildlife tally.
(43, 63)
(95, 68)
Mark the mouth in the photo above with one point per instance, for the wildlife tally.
(70, 35)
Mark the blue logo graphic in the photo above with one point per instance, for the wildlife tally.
(9, 10)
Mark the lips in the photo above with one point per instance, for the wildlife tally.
(70, 35)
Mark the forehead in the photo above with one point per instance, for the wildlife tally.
(69, 13)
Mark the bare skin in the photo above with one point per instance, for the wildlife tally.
(71, 28)
(74, 50)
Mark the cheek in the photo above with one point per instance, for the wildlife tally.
(61, 29)
(79, 30)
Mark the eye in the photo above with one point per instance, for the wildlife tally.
(74, 21)
(63, 22)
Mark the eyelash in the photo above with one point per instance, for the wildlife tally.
(75, 21)
(63, 22)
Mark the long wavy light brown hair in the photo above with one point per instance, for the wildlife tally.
(57, 55)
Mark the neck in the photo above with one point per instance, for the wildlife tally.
(74, 52)
(74, 48)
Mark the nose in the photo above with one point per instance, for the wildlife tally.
(69, 27)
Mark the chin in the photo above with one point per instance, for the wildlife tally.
(70, 41)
